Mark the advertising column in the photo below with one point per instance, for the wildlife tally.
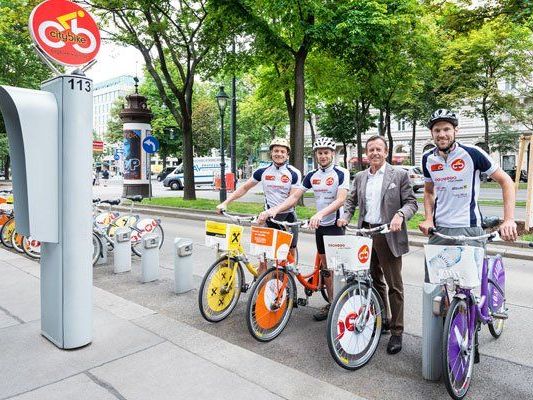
(136, 118)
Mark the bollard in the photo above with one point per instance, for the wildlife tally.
(122, 250)
(432, 328)
(102, 259)
(150, 258)
(183, 268)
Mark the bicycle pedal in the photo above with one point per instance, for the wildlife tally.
(301, 302)
(500, 315)
(245, 287)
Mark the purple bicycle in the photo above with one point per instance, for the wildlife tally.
(461, 269)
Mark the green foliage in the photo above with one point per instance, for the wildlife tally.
(505, 139)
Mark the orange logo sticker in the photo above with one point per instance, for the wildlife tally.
(330, 181)
(437, 167)
(363, 254)
(270, 178)
(285, 178)
(458, 165)
(316, 182)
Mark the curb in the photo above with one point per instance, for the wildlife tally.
(517, 250)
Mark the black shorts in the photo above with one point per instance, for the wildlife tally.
(331, 230)
(289, 217)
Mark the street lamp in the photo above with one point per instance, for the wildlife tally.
(222, 101)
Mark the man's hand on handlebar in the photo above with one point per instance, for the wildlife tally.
(426, 226)
(508, 230)
(341, 222)
(221, 208)
(262, 218)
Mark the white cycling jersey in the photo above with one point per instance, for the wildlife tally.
(277, 183)
(457, 184)
(325, 184)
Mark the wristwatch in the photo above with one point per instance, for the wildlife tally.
(400, 212)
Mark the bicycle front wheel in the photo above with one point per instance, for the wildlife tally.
(270, 304)
(354, 325)
(31, 247)
(17, 241)
(496, 297)
(458, 349)
(7, 231)
(146, 226)
(220, 289)
(97, 248)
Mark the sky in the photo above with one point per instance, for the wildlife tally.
(113, 61)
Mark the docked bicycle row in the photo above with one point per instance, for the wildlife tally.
(473, 285)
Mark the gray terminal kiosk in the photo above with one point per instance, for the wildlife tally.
(50, 145)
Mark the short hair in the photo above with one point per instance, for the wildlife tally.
(377, 137)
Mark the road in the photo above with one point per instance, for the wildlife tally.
(113, 189)
(506, 365)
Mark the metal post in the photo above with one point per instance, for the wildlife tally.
(150, 176)
(233, 127)
(222, 162)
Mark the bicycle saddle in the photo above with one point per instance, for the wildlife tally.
(135, 198)
(490, 222)
(111, 202)
(97, 200)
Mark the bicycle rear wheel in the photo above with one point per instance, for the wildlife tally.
(496, 296)
(17, 241)
(7, 231)
(458, 349)
(217, 297)
(351, 344)
(31, 247)
(270, 304)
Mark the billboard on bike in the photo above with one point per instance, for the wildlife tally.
(222, 235)
(461, 263)
(275, 244)
(349, 252)
(65, 32)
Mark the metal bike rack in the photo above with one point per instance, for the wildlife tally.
(432, 330)
(122, 250)
(150, 258)
(183, 268)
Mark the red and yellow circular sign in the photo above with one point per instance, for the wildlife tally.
(363, 254)
(65, 32)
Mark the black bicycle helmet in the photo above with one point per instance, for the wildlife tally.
(443, 114)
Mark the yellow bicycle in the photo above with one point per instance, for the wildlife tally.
(224, 281)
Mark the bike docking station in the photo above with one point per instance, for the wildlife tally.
(432, 330)
(183, 267)
(122, 250)
(50, 142)
(150, 258)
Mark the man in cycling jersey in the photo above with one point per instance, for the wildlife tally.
(279, 180)
(452, 184)
(330, 184)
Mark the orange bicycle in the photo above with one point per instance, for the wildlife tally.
(274, 295)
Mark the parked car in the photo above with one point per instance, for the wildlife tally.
(512, 174)
(416, 176)
(163, 174)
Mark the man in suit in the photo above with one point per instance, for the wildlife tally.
(384, 195)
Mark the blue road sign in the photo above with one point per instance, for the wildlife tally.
(116, 157)
(150, 144)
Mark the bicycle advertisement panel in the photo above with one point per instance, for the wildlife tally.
(352, 252)
(462, 263)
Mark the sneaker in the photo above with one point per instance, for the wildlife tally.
(395, 344)
(322, 314)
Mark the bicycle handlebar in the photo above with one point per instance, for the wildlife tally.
(287, 224)
(137, 198)
(237, 218)
(368, 231)
(491, 237)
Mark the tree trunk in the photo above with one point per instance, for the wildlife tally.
(290, 111)
(389, 133)
(299, 107)
(381, 130)
(189, 192)
(345, 148)
(310, 121)
(486, 121)
(357, 123)
(6, 167)
(413, 142)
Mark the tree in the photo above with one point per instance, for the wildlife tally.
(176, 40)
(505, 139)
(478, 62)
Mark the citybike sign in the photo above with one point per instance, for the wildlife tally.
(65, 32)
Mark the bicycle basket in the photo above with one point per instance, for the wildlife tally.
(460, 263)
(225, 236)
(275, 244)
(353, 252)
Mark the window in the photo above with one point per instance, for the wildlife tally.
(401, 125)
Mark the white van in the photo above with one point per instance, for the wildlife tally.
(205, 169)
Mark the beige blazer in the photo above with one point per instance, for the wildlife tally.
(396, 194)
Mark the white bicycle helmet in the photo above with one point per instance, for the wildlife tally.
(280, 142)
(443, 114)
(324, 143)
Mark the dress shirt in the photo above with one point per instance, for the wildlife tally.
(373, 196)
